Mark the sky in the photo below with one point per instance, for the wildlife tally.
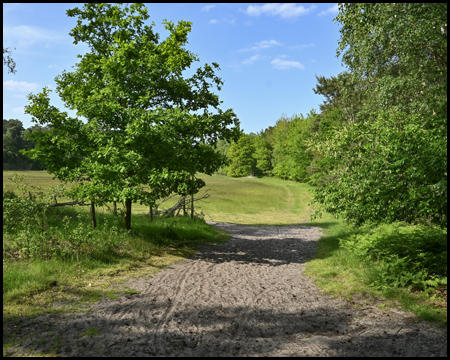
(269, 54)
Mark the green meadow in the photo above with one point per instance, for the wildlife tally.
(54, 256)
(263, 201)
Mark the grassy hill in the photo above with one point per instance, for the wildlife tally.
(263, 201)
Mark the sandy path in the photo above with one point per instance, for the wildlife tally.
(247, 297)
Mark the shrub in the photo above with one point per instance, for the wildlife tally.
(401, 255)
(9, 194)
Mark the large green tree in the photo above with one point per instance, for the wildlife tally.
(299, 157)
(391, 165)
(390, 169)
(400, 51)
(345, 92)
(290, 156)
(146, 123)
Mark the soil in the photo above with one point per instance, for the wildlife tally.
(246, 297)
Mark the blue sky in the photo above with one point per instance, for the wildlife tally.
(269, 54)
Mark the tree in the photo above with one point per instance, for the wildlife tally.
(322, 128)
(400, 49)
(299, 157)
(9, 61)
(280, 152)
(14, 140)
(392, 164)
(240, 154)
(388, 173)
(222, 147)
(344, 92)
(146, 123)
(29, 144)
(263, 154)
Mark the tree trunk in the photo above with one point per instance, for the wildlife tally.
(115, 208)
(128, 214)
(151, 213)
(192, 201)
(70, 203)
(94, 223)
(184, 205)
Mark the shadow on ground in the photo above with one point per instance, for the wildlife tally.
(226, 332)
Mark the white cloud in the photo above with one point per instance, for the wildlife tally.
(283, 10)
(252, 59)
(12, 85)
(24, 35)
(332, 10)
(302, 46)
(207, 7)
(262, 45)
(18, 110)
(230, 20)
(213, 21)
(286, 64)
(12, 7)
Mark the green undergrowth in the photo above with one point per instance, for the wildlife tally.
(392, 265)
(62, 259)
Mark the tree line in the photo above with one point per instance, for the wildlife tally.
(16, 138)
(377, 150)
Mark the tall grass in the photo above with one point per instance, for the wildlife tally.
(66, 259)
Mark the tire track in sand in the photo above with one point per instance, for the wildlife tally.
(172, 304)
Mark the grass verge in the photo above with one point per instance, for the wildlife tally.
(341, 272)
(31, 286)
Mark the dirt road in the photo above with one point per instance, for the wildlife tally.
(247, 297)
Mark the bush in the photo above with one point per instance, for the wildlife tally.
(401, 255)
(9, 194)
(19, 212)
(33, 229)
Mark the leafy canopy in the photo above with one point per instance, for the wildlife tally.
(390, 164)
(146, 122)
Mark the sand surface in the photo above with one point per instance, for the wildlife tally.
(246, 297)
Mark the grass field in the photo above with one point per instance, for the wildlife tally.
(265, 201)
(87, 265)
